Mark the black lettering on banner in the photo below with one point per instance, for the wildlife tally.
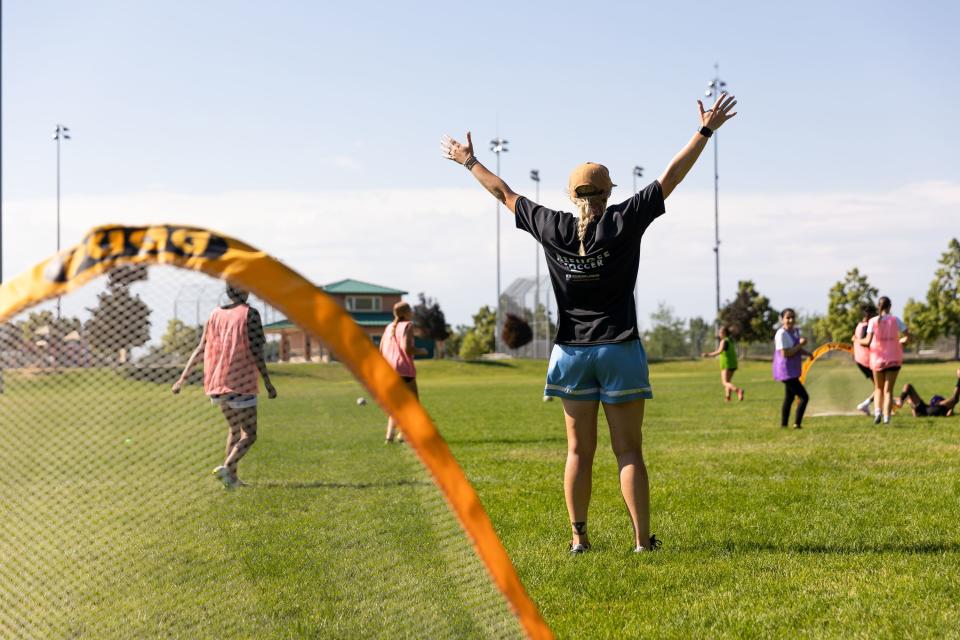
(108, 244)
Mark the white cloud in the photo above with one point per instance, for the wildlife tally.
(442, 241)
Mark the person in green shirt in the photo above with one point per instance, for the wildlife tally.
(727, 350)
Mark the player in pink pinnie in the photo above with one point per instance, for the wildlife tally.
(232, 350)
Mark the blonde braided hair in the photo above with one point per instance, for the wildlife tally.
(591, 208)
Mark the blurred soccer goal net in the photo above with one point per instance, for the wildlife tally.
(113, 526)
(834, 381)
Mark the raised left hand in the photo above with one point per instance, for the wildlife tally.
(453, 150)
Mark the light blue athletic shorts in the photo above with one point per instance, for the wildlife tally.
(611, 373)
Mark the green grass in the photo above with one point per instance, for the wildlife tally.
(112, 526)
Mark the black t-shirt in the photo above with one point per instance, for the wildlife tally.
(594, 292)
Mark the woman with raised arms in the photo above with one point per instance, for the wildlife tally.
(598, 358)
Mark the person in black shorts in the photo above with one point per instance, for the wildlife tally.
(938, 407)
(861, 354)
(598, 358)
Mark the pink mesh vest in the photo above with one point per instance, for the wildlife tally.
(861, 353)
(391, 346)
(228, 364)
(886, 350)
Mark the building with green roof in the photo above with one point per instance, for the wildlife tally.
(370, 305)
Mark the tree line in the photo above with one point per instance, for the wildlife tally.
(119, 322)
(753, 320)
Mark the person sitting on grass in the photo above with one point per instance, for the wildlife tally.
(727, 350)
(939, 407)
(232, 349)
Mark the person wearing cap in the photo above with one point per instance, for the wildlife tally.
(598, 358)
(231, 348)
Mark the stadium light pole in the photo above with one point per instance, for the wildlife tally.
(60, 133)
(714, 88)
(498, 145)
(637, 173)
(535, 176)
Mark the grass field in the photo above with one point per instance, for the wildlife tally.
(112, 526)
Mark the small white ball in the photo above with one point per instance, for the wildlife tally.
(548, 398)
(361, 402)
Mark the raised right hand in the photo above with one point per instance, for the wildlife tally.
(720, 113)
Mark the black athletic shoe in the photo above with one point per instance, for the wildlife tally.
(653, 545)
(877, 418)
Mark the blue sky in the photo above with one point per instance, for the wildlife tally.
(312, 129)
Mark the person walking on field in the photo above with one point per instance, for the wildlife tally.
(886, 335)
(231, 346)
(727, 350)
(861, 354)
(598, 358)
(788, 355)
(397, 348)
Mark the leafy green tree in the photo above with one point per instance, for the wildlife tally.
(120, 321)
(814, 327)
(428, 315)
(699, 333)
(451, 345)
(44, 325)
(667, 336)
(11, 337)
(472, 346)
(180, 339)
(921, 321)
(943, 296)
(848, 298)
(479, 339)
(749, 314)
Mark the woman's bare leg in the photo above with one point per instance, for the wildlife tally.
(580, 417)
(392, 430)
(877, 392)
(233, 435)
(725, 381)
(889, 380)
(626, 421)
(246, 419)
(726, 377)
(951, 402)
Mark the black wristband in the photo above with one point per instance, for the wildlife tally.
(706, 132)
(469, 164)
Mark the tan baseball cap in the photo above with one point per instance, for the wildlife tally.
(590, 174)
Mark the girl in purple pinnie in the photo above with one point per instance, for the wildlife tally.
(787, 365)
